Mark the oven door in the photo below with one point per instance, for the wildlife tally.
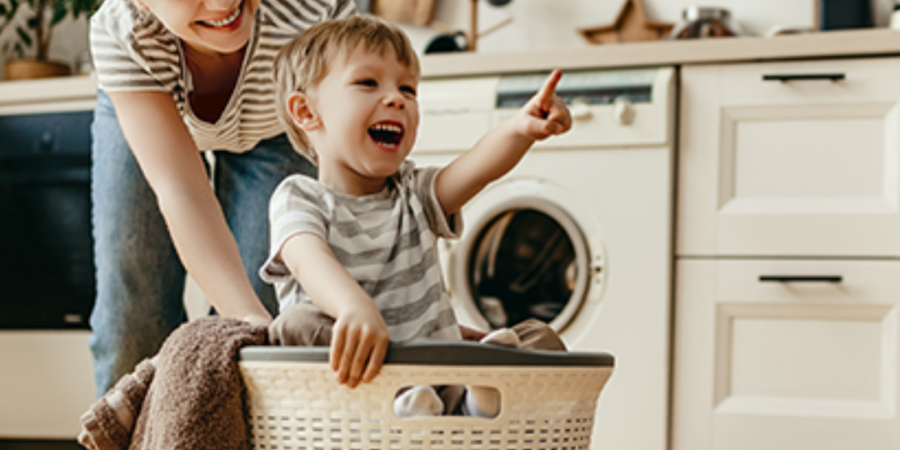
(46, 247)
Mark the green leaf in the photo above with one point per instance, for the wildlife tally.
(3, 10)
(59, 13)
(33, 22)
(24, 36)
(13, 8)
(79, 7)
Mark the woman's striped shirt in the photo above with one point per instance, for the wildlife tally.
(133, 51)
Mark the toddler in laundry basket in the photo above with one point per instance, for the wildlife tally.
(354, 255)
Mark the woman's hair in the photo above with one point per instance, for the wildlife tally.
(304, 61)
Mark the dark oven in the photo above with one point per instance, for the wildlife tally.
(46, 248)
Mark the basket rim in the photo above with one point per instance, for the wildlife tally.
(432, 353)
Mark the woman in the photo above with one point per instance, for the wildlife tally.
(178, 77)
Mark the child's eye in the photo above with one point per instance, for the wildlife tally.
(368, 82)
(408, 90)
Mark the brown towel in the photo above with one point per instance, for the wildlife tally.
(192, 400)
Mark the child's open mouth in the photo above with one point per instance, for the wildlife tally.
(386, 134)
(226, 21)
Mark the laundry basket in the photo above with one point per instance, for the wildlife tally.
(547, 399)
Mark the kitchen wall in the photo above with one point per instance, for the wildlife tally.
(538, 24)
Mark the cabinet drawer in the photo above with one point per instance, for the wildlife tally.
(811, 82)
(808, 166)
(806, 282)
(768, 365)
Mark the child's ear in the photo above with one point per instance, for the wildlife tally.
(301, 112)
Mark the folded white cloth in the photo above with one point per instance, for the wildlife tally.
(483, 401)
(418, 401)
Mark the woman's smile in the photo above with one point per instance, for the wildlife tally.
(231, 21)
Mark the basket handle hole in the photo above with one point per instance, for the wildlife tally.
(448, 400)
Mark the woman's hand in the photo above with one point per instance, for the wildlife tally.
(359, 344)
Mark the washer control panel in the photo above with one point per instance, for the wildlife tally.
(580, 88)
(610, 108)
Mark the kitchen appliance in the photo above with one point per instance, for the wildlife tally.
(578, 234)
(705, 22)
(46, 267)
(844, 14)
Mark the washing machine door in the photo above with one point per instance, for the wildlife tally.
(524, 254)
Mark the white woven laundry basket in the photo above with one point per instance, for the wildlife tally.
(547, 399)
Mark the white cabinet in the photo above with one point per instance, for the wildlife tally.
(46, 376)
(770, 365)
(788, 257)
(791, 168)
(46, 383)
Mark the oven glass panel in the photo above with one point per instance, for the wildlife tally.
(46, 247)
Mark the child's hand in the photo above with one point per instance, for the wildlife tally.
(545, 114)
(359, 343)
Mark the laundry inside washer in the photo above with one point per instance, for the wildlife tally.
(522, 266)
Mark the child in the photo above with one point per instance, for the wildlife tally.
(360, 243)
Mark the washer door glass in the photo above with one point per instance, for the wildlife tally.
(528, 263)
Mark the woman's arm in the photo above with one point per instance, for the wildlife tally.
(360, 338)
(173, 166)
(497, 152)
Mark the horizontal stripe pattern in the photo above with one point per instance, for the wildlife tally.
(386, 241)
(133, 51)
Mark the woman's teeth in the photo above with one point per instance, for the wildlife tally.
(226, 21)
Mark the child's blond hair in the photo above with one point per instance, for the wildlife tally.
(304, 61)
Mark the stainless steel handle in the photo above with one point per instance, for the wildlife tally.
(804, 77)
(801, 278)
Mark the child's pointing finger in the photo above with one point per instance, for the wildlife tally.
(548, 90)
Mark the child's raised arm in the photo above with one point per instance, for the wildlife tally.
(500, 149)
(360, 338)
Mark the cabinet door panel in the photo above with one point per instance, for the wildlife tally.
(806, 362)
(46, 384)
(798, 168)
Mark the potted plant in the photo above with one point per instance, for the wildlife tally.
(33, 21)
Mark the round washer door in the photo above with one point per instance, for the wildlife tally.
(528, 251)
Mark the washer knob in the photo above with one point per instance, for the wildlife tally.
(580, 109)
(623, 111)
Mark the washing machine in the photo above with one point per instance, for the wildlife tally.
(578, 235)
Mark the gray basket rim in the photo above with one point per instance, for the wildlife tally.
(431, 353)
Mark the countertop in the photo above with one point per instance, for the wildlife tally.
(832, 44)
(72, 93)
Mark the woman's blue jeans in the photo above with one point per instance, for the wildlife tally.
(140, 279)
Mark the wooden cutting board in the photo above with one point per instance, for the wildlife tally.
(413, 12)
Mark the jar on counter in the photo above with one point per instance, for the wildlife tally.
(895, 17)
(701, 22)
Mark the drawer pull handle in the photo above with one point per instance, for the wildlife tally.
(802, 278)
(804, 77)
